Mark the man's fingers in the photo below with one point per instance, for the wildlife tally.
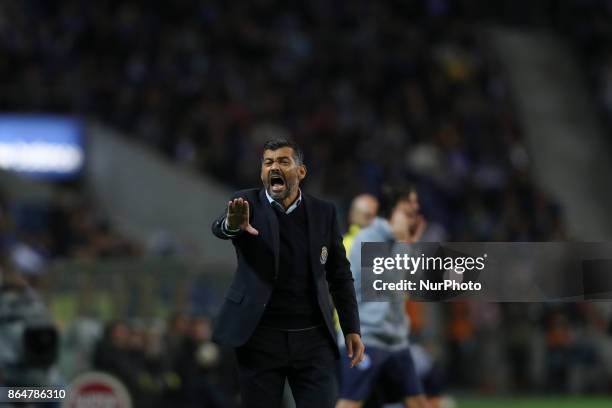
(358, 356)
(354, 355)
(232, 207)
(237, 206)
(356, 360)
(243, 206)
(355, 351)
(251, 230)
(246, 217)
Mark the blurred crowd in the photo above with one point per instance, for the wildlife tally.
(545, 348)
(174, 363)
(588, 25)
(35, 232)
(374, 92)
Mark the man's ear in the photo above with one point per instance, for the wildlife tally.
(302, 172)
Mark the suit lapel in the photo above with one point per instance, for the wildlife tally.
(272, 238)
(313, 234)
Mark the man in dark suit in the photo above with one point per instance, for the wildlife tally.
(277, 313)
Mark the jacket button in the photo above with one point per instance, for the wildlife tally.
(265, 304)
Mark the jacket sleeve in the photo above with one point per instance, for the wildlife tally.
(340, 279)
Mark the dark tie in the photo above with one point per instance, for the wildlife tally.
(278, 206)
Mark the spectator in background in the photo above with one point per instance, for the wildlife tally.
(200, 367)
(177, 329)
(384, 325)
(518, 332)
(558, 343)
(158, 383)
(462, 344)
(363, 210)
(114, 355)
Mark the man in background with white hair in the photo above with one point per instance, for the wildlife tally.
(363, 210)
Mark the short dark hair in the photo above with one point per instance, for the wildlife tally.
(276, 144)
(391, 195)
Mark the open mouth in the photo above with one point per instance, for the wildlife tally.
(277, 182)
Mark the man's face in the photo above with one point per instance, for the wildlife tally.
(280, 174)
(404, 217)
(409, 206)
(364, 211)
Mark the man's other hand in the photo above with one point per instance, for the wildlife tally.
(417, 229)
(354, 348)
(238, 216)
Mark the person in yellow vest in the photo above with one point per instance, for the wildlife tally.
(364, 208)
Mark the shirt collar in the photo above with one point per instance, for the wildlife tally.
(280, 207)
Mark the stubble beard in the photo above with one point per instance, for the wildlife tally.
(280, 197)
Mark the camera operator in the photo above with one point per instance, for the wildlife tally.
(28, 338)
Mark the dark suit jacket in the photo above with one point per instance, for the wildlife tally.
(258, 266)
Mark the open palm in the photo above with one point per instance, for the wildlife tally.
(238, 216)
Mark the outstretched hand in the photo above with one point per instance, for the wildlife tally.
(238, 216)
